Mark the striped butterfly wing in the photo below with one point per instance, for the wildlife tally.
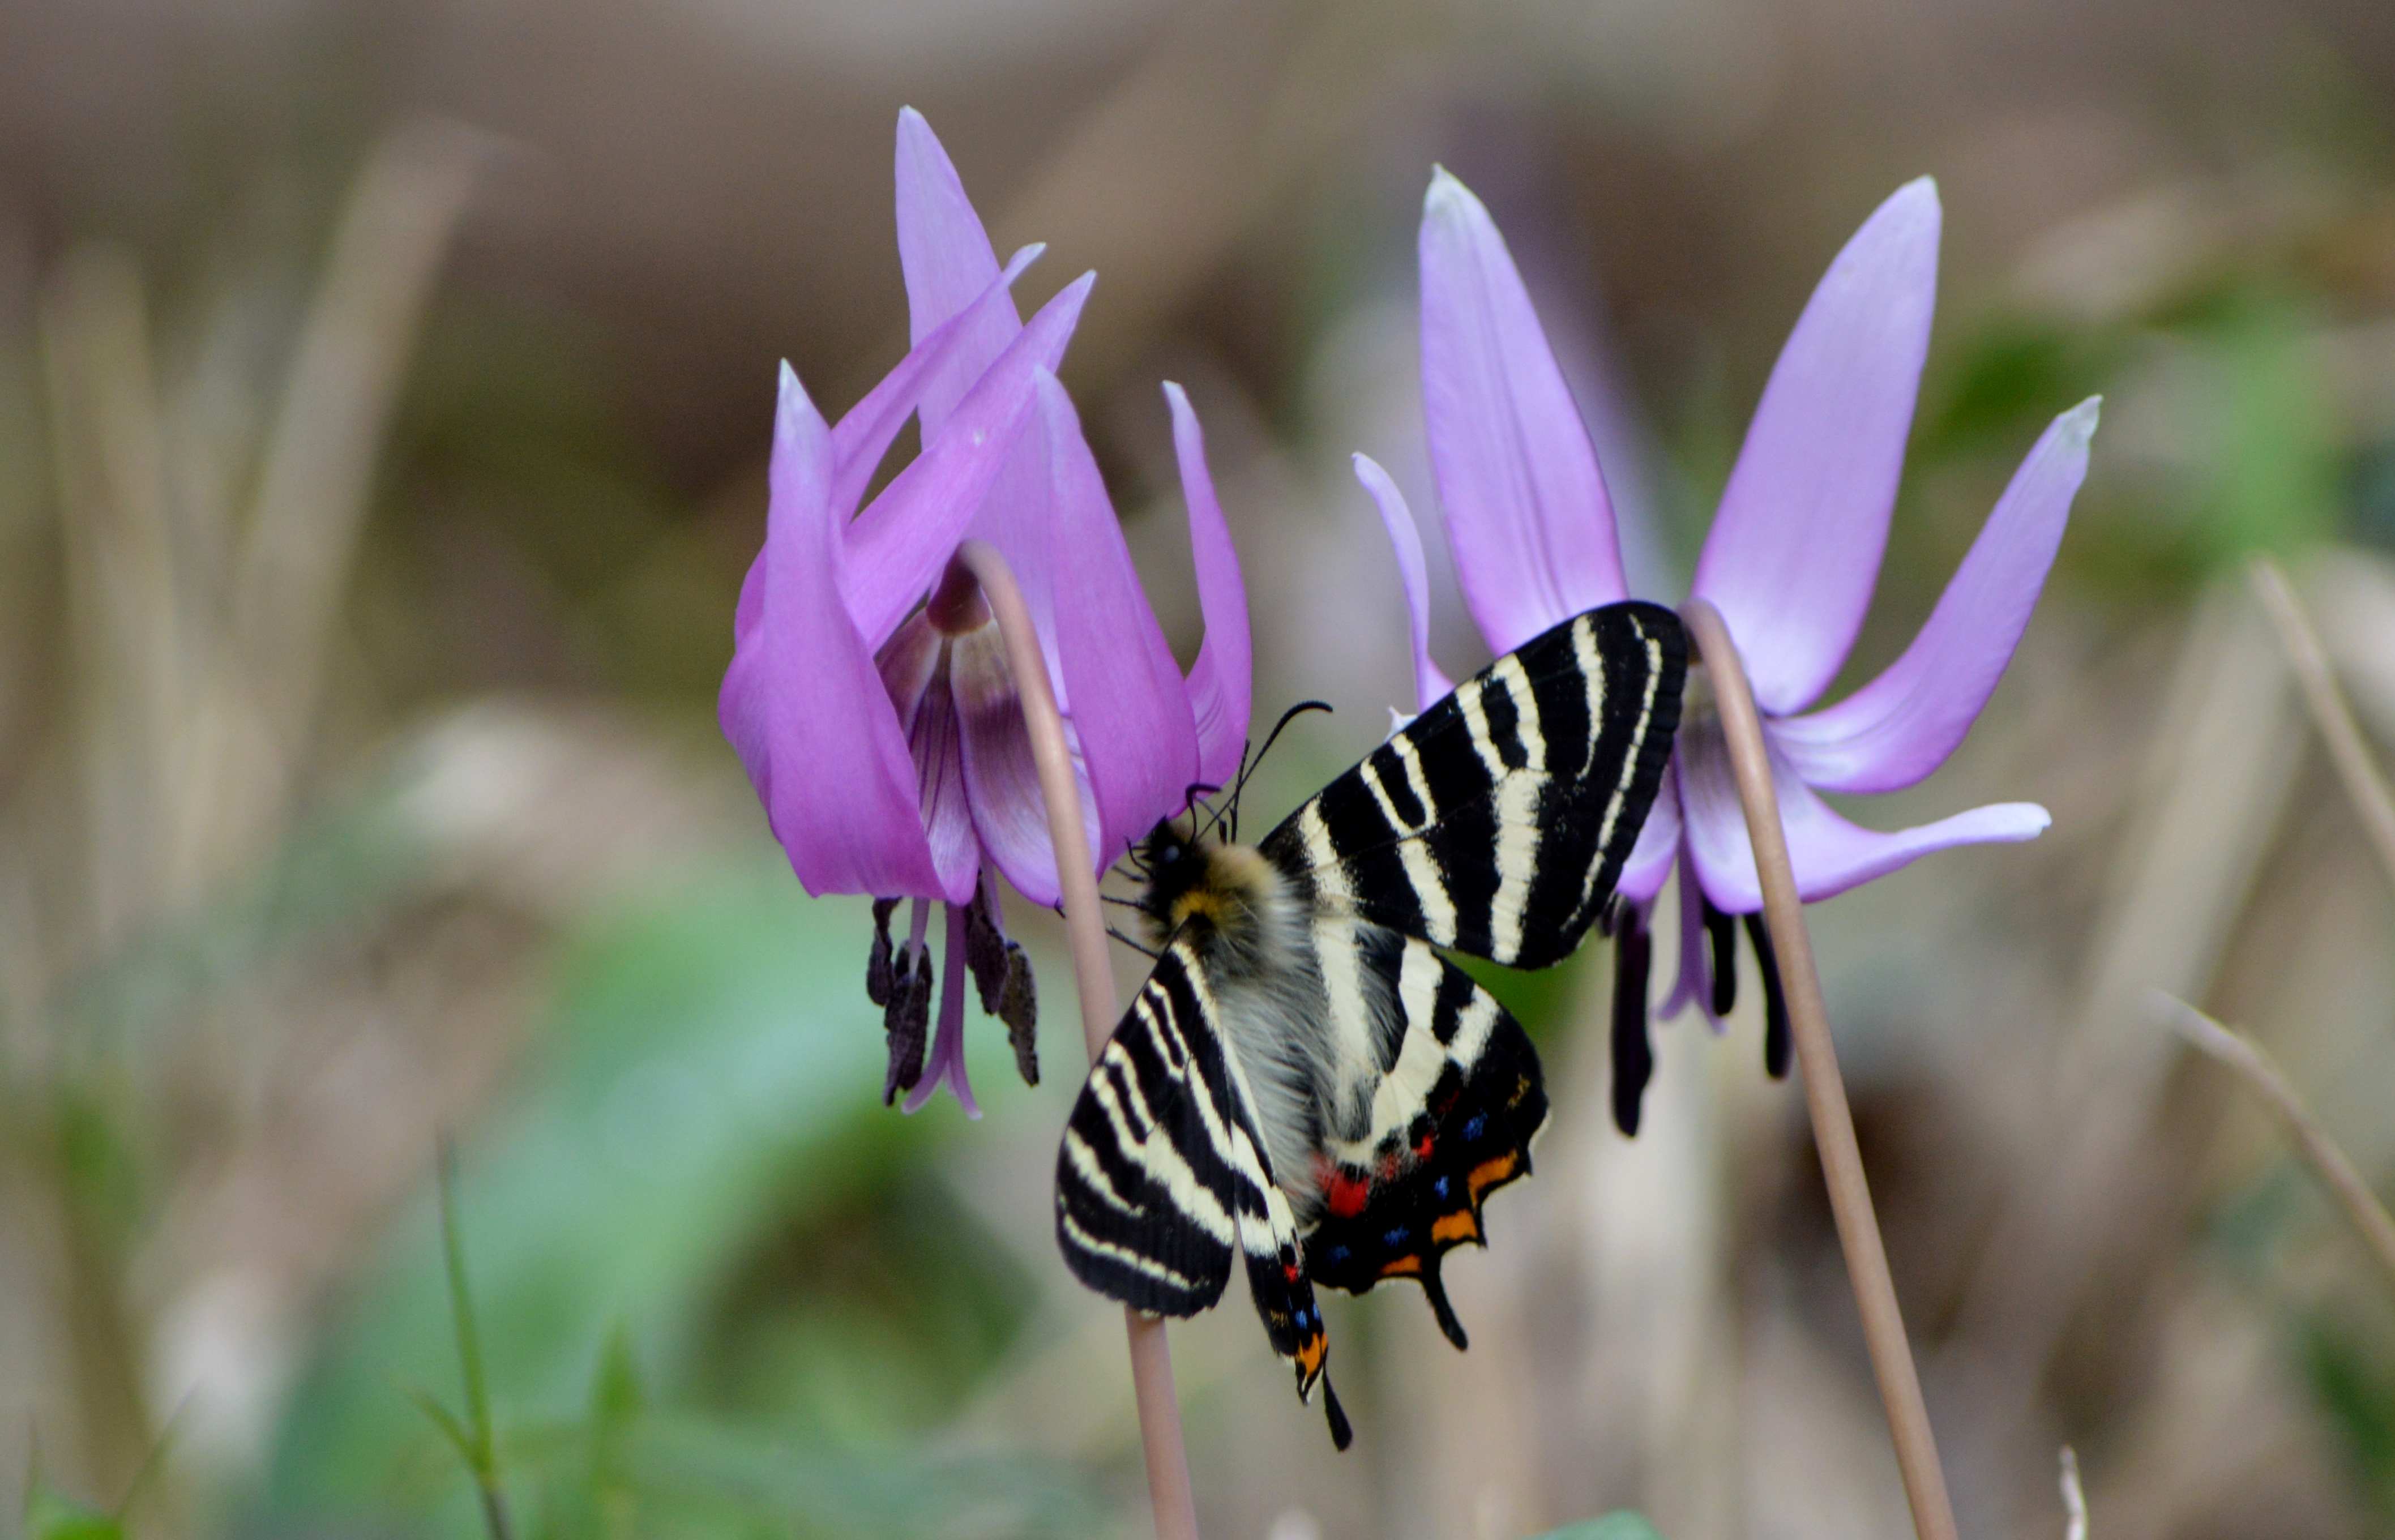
(1162, 1176)
(1497, 821)
(1451, 1119)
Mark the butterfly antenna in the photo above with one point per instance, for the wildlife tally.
(1250, 766)
(1216, 815)
(1132, 944)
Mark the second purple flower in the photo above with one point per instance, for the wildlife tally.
(1791, 561)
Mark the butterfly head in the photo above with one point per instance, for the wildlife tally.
(1193, 878)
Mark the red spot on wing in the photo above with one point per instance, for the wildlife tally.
(1422, 1149)
(1344, 1195)
(1290, 1270)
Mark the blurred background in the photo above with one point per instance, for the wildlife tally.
(384, 392)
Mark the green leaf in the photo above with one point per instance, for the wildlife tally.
(461, 1313)
(52, 1516)
(616, 1395)
(438, 1415)
(709, 1082)
(1622, 1525)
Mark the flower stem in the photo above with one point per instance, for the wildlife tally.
(1825, 1090)
(1151, 1360)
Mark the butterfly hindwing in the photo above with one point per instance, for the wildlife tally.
(1451, 1121)
(1497, 821)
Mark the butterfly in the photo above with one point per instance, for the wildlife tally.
(1306, 1082)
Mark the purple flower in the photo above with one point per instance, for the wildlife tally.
(869, 694)
(1791, 561)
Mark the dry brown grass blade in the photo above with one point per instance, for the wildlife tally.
(2309, 661)
(2256, 1068)
(108, 458)
(2208, 805)
(318, 468)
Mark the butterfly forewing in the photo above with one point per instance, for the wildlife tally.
(1164, 1172)
(1147, 1190)
(1497, 821)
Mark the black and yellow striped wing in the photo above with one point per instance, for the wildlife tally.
(1497, 821)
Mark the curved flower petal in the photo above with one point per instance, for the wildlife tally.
(1001, 779)
(1431, 686)
(946, 1065)
(1658, 845)
(802, 702)
(920, 691)
(1901, 726)
(863, 433)
(1222, 680)
(1829, 854)
(1128, 699)
(1695, 985)
(1527, 511)
(948, 260)
(1796, 549)
(905, 537)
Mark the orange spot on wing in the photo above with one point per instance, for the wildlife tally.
(1459, 1226)
(1487, 1173)
(1310, 1354)
(1403, 1266)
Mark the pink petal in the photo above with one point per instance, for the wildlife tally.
(1796, 549)
(923, 696)
(1128, 699)
(1901, 726)
(863, 435)
(947, 261)
(945, 256)
(1222, 681)
(803, 703)
(1658, 845)
(1527, 511)
(1001, 779)
(946, 1065)
(1695, 985)
(903, 540)
(1431, 686)
(1829, 854)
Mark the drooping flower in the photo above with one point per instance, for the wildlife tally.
(1791, 561)
(870, 696)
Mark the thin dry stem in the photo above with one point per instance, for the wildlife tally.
(1151, 1362)
(2257, 1070)
(1825, 1092)
(2309, 661)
